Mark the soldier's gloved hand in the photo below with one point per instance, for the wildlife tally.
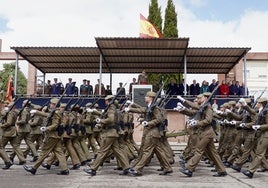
(256, 127)
(220, 122)
(242, 125)
(43, 129)
(129, 102)
(32, 111)
(219, 112)
(233, 122)
(179, 107)
(228, 111)
(181, 99)
(226, 121)
(126, 109)
(144, 123)
(98, 120)
(102, 111)
(192, 123)
(98, 126)
(6, 109)
(242, 101)
(89, 110)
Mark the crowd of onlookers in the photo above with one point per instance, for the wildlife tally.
(231, 88)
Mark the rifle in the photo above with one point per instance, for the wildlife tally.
(51, 114)
(24, 106)
(9, 110)
(175, 134)
(255, 102)
(44, 105)
(203, 106)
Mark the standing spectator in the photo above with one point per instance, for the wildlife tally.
(121, 90)
(84, 88)
(172, 88)
(194, 88)
(56, 87)
(96, 89)
(90, 88)
(224, 88)
(234, 89)
(155, 86)
(143, 78)
(181, 88)
(48, 88)
(212, 87)
(134, 82)
(70, 87)
(242, 90)
(108, 91)
(204, 87)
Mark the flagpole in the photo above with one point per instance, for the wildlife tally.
(16, 74)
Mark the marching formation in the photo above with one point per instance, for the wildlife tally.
(63, 130)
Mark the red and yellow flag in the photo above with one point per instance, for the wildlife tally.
(147, 29)
(10, 90)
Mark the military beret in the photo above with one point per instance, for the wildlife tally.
(108, 97)
(63, 105)
(85, 80)
(96, 105)
(150, 94)
(76, 106)
(262, 100)
(232, 103)
(225, 105)
(88, 104)
(199, 96)
(54, 100)
(206, 94)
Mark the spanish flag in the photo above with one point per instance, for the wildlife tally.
(147, 29)
(10, 90)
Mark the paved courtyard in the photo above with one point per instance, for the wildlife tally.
(107, 177)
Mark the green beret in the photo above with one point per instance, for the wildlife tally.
(88, 104)
(260, 100)
(232, 103)
(54, 100)
(207, 94)
(63, 105)
(199, 96)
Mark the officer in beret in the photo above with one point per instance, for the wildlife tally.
(52, 142)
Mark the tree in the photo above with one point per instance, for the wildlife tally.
(170, 23)
(155, 15)
(9, 70)
(170, 30)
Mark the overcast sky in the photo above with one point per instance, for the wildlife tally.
(208, 23)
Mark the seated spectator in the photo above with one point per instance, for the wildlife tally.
(172, 88)
(204, 87)
(194, 88)
(224, 89)
(121, 90)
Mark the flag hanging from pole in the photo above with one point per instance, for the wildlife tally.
(147, 29)
(10, 90)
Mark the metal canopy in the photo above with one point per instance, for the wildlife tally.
(132, 55)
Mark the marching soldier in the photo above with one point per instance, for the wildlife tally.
(151, 137)
(24, 129)
(110, 139)
(9, 132)
(52, 142)
(262, 128)
(206, 140)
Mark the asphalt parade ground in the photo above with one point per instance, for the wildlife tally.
(106, 176)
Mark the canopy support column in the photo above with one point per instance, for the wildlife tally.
(245, 74)
(16, 74)
(100, 78)
(185, 74)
